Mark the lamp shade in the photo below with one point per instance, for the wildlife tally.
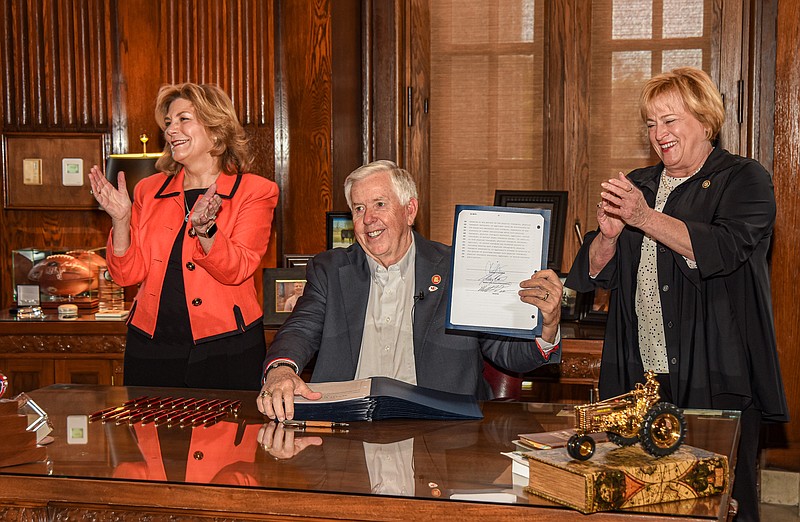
(135, 166)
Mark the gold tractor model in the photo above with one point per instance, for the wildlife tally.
(633, 417)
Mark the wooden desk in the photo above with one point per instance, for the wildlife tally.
(107, 478)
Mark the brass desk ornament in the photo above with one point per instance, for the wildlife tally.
(636, 416)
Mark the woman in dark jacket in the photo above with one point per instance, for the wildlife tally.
(683, 247)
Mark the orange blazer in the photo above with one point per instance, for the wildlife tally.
(220, 291)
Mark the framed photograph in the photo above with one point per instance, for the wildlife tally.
(38, 175)
(282, 288)
(555, 201)
(295, 260)
(340, 232)
(598, 309)
(569, 303)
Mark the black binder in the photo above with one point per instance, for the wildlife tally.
(388, 398)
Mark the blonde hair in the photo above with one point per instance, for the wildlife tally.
(403, 183)
(214, 110)
(696, 89)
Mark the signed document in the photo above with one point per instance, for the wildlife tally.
(494, 249)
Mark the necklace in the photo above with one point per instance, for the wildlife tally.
(186, 204)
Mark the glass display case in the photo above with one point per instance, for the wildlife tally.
(62, 275)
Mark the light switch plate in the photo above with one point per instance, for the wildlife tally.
(72, 172)
(32, 171)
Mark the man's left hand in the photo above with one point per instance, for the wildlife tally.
(543, 290)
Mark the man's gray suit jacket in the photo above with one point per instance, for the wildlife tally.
(328, 321)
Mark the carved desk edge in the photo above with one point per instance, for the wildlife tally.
(130, 501)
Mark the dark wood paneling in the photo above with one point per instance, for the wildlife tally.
(347, 94)
(762, 136)
(415, 94)
(567, 73)
(383, 126)
(303, 123)
(137, 74)
(785, 269)
(57, 67)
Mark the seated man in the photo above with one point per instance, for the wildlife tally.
(378, 308)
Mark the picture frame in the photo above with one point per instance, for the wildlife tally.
(280, 285)
(339, 230)
(570, 306)
(553, 200)
(295, 260)
(51, 170)
(597, 309)
(28, 295)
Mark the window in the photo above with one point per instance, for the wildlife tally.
(486, 99)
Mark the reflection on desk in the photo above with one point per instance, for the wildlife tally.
(392, 469)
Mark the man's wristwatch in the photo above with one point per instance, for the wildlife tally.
(208, 232)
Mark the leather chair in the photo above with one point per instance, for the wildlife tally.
(506, 386)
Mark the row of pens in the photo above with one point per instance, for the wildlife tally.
(169, 411)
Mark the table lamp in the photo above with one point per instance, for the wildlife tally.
(135, 166)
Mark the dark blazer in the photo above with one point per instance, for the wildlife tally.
(717, 317)
(328, 321)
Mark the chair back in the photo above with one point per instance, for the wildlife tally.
(506, 386)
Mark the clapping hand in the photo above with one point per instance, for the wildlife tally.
(205, 210)
(115, 201)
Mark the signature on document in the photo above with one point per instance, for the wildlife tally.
(495, 280)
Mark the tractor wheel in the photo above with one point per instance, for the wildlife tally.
(580, 447)
(621, 440)
(663, 429)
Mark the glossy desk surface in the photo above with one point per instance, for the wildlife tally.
(224, 468)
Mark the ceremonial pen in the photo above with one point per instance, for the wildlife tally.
(314, 424)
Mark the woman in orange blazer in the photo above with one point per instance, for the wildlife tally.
(192, 239)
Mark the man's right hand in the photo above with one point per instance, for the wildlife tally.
(276, 399)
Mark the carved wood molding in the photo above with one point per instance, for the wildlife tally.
(582, 366)
(70, 514)
(24, 514)
(66, 344)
